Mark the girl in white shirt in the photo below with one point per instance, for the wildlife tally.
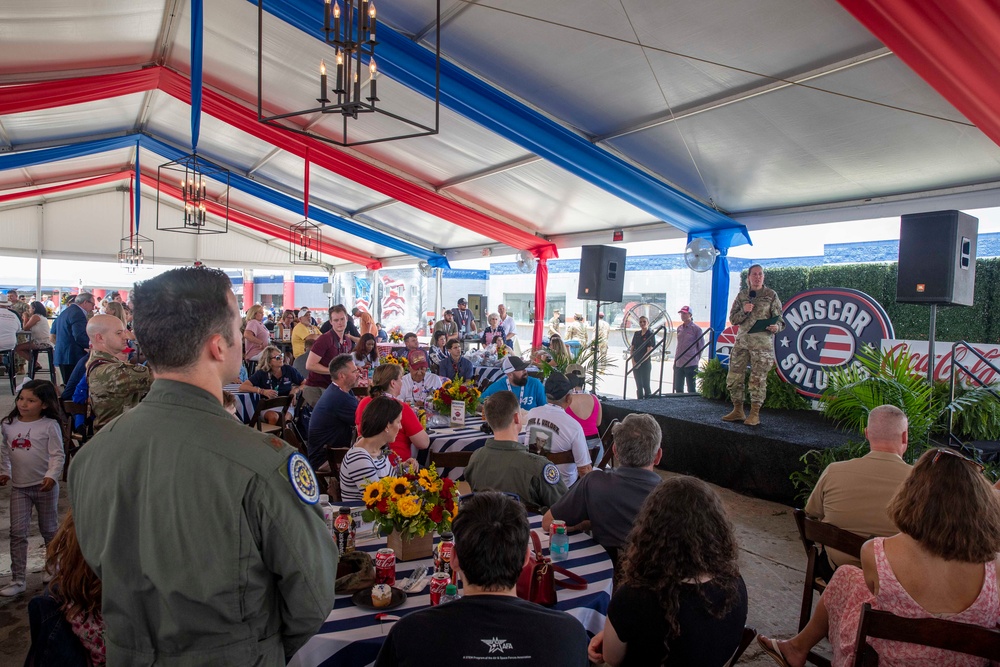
(31, 457)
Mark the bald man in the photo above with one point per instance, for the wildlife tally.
(115, 385)
(853, 495)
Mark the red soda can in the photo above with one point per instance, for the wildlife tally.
(439, 582)
(385, 567)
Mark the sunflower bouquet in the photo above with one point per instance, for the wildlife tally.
(413, 504)
(454, 390)
(396, 336)
(397, 359)
(502, 350)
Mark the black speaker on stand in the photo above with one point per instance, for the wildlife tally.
(602, 279)
(937, 264)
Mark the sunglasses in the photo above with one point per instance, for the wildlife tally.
(276, 356)
(951, 452)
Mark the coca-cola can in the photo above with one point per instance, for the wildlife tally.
(385, 567)
(439, 582)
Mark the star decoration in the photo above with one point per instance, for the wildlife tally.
(811, 343)
(784, 342)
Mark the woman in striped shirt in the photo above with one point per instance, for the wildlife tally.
(368, 460)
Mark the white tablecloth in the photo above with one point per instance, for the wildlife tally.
(351, 637)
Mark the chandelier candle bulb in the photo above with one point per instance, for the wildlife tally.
(322, 80)
(336, 20)
(326, 16)
(371, 23)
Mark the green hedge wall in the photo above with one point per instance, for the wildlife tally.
(977, 324)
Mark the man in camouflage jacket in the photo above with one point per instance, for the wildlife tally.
(115, 385)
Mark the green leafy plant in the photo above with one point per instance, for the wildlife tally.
(979, 421)
(780, 394)
(712, 380)
(886, 378)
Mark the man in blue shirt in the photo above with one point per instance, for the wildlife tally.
(71, 333)
(333, 416)
(455, 365)
(529, 391)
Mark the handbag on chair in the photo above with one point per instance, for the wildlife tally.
(537, 582)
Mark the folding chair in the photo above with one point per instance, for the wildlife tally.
(334, 457)
(265, 404)
(608, 440)
(932, 632)
(748, 636)
(814, 534)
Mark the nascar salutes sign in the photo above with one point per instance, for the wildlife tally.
(824, 328)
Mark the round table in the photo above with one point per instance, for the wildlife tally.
(351, 637)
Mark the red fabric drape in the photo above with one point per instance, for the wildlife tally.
(238, 217)
(50, 94)
(950, 44)
(62, 187)
(541, 285)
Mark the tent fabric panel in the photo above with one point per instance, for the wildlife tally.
(90, 34)
(324, 184)
(78, 120)
(19, 227)
(417, 223)
(560, 203)
(831, 147)
(951, 45)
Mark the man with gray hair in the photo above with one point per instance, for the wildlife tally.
(608, 502)
(854, 495)
(70, 331)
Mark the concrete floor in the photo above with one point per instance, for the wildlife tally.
(772, 562)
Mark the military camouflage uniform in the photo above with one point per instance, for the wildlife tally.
(752, 349)
(115, 386)
(504, 465)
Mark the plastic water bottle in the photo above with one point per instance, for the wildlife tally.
(559, 545)
(450, 594)
(328, 514)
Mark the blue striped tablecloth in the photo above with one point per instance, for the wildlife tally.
(490, 373)
(246, 403)
(351, 637)
(465, 439)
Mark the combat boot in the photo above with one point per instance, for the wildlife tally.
(737, 414)
(753, 419)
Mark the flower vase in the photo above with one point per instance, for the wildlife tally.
(411, 548)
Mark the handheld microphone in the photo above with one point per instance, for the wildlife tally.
(753, 294)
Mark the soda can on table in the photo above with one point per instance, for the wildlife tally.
(439, 582)
(385, 567)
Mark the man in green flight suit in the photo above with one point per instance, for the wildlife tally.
(503, 464)
(205, 534)
(753, 348)
(115, 385)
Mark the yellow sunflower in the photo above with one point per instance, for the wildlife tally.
(399, 487)
(408, 505)
(373, 493)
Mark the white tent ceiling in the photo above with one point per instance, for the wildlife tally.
(762, 108)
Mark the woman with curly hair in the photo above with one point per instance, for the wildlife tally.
(941, 564)
(680, 598)
(76, 589)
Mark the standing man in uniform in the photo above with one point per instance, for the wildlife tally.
(116, 386)
(554, 321)
(205, 534)
(688, 356)
(503, 464)
(754, 345)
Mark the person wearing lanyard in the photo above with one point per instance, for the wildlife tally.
(529, 391)
(463, 317)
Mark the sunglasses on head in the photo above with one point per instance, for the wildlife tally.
(276, 356)
(951, 452)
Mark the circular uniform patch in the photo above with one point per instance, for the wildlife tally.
(303, 480)
(551, 474)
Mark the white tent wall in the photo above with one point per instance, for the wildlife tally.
(89, 227)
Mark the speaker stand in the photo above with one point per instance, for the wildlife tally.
(597, 340)
(930, 345)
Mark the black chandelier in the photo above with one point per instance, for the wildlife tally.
(306, 243)
(351, 33)
(132, 255)
(188, 177)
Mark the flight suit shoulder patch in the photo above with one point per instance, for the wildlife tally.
(550, 474)
(303, 480)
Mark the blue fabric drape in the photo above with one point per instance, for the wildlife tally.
(138, 187)
(413, 65)
(197, 44)
(237, 182)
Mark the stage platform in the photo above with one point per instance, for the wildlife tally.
(752, 460)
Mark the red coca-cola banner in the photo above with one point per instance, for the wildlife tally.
(918, 350)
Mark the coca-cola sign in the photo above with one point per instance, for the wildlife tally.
(919, 359)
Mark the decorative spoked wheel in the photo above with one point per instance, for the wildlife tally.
(657, 317)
